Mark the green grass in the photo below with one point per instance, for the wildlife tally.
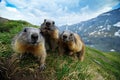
(96, 66)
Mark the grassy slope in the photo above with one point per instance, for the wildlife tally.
(96, 66)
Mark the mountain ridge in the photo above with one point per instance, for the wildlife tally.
(102, 32)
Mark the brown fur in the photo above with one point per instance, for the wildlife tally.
(51, 35)
(72, 47)
(23, 48)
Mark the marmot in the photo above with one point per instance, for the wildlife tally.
(50, 33)
(30, 40)
(70, 43)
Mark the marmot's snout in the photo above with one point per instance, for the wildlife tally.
(31, 35)
(48, 24)
(65, 38)
(34, 38)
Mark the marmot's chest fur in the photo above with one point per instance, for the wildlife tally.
(26, 48)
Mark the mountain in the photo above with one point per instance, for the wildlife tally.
(2, 20)
(102, 32)
(6, 24)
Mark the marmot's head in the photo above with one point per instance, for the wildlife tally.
(67, 36)
(48, 24)
(30, 35)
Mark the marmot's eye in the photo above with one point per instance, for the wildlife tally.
(25, 30)
(53, 22)
(71, 34)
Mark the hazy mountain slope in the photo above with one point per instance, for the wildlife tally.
(102, 32)
(96, 66)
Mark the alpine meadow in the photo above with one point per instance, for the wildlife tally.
(97, 65)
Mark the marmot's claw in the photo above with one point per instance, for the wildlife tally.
(42, 67)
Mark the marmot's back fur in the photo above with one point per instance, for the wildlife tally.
(71, 43)
(30, 40)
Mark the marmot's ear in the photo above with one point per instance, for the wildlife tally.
(53, 22)
(44, 20)
(61, 34)
(25, 30)
(71, 34)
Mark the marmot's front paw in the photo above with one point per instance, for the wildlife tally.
(42, 67)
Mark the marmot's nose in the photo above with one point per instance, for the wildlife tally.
(34, 36)
(64, 36)
(47, 23)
